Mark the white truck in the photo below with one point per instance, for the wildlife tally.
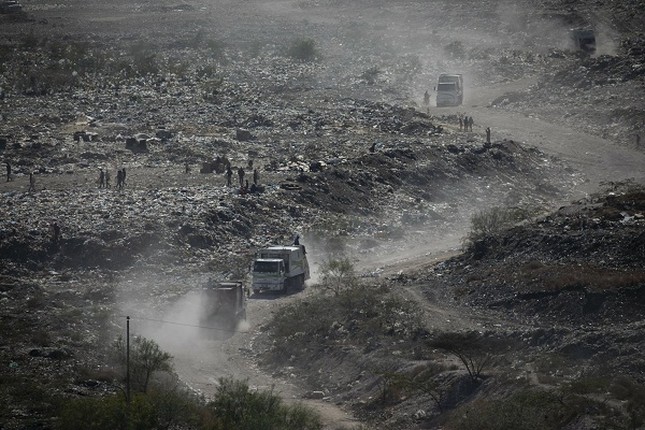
(450, 90)
(280, 268)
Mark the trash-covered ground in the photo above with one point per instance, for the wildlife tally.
(346, 155)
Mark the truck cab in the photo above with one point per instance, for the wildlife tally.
(278, 268)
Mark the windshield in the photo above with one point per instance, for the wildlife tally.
(266, 266)
(446, 87)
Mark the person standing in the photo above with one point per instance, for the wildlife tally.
(470, 123)
(32, 182)
(101, 178)
(240, 173)
(9, 178)
(55, 233)
(256, 176)
(488, 135)
(229, 175)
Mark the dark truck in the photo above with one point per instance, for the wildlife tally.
(223, 304)
(583, 39)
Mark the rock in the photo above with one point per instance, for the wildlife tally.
(316, 395)
(243, 135)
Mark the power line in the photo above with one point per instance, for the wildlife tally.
(184, 324)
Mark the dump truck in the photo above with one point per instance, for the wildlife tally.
(223, 304)
(450, 90)
(280, 268)
(583, 39)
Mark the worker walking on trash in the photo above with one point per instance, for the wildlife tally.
(240, 173)
(229, 175)
(55, 233)
(32, 182)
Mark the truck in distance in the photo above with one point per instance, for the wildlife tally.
(584, 40)
(450, 90)
(280, 268)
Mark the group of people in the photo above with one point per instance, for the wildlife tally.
(466, 123)
(32, 178)
(104, 180)
(241, 174)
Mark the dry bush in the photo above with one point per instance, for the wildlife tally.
(362, 315)
(472, 350)
(236, 406)
(303, 50)
(337, 274)
(527, 409)
(490, 223)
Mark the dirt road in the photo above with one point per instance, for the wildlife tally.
(204, 355)
(599, 160)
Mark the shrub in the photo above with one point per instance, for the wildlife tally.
(160, 409)
(371, 75)
(237, 407)
(363, 315)
(527, 409)
(470, 348)
(490, 223)
(303, 50)
(337, 274)
(146, 358)
(106, 413)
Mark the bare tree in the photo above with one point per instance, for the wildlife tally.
(469, 348)
(337, 274)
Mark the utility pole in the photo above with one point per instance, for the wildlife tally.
(127, 360)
